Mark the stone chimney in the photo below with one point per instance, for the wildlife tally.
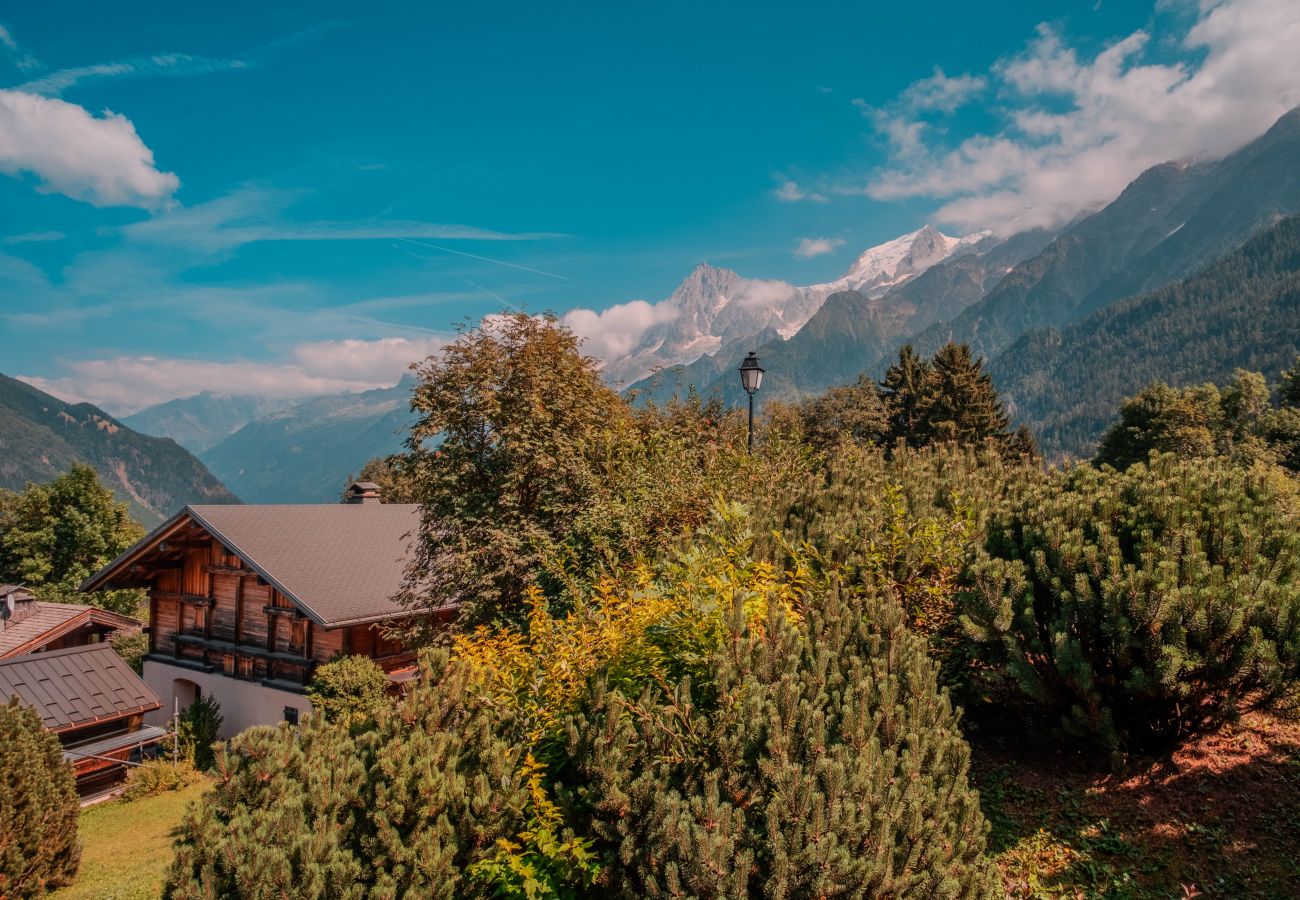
(363, 492)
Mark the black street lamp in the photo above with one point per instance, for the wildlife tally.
(751, 378)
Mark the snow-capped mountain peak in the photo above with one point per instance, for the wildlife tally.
(885, 265)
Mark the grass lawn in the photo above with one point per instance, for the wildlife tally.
(126, 847)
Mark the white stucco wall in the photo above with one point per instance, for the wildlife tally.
(243, 703)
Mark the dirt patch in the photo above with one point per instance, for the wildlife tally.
(1218, 818)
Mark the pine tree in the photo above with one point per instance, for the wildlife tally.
(964, 407)
(831, 766)
(906, 393)
(38, 807)
(1145, 606)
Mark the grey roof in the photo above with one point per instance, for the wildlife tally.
(50, 618)
(77, 686)
(341, 563)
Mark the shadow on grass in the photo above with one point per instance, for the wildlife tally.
(1218, 818)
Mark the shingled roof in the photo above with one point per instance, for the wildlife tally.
(76, 687)
(340, 563)
(51, 621)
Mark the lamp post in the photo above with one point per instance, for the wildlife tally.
(751, 378)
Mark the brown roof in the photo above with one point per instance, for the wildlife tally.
(76, 687)
(341, 563)
(51, 621)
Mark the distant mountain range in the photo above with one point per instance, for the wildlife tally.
(203, 420)
(42, 436)
(304, 452)
(1071, 322)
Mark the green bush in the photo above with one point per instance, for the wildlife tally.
(38, 807)
(199, 725)
(1145, 606)
(831, 765)
(158, 776)
(131, 644)
(350, 690)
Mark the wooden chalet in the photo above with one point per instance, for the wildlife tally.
(89, 697)
(28, 625)
(246, 601)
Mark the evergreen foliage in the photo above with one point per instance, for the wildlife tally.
(54, 536)
(199, 724)
(349, 690)
(1240, 312)
(1145, 606)
(38, 807)
(829, 766)
(401, 810)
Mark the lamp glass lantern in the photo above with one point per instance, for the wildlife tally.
(751, 373)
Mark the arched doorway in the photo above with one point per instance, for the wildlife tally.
(184, 692)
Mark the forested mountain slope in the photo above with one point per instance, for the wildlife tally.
(302, 453)
(1240, 312)
(1171, 221)
(42, 436)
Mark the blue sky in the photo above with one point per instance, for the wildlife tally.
(299, 197)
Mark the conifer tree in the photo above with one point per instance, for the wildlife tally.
(830, 766)
(963, 406)
(906, 393)
(38, 807)
(1145, 606)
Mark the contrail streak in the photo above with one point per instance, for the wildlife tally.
(498, 262)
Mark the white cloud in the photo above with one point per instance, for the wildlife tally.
(159, 64)
(34, 237)
(790, 192)
(807, 248)
(125, 384)
(616, 331)
(22, 59)
(939, 92)
(99, 160)
(250, 215)
(1079, 129)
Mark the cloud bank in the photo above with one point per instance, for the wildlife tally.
(126, 384)
(1078, 128)
(100, 160)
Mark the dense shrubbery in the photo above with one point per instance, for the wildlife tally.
(199, 724)
(826, 764)
(1145, 606)
(350, 690)
(455, 792)
(158, 776)
(38, 807)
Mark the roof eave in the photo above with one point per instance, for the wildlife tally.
(99, 580)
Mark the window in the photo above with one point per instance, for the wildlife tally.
(291, 715)
(297, 635)
(246, 667)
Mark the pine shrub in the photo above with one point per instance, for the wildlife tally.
(200, 723)
(830, 766)
(1145, 606)
(38, 807)
(349, 690)
(401, 810)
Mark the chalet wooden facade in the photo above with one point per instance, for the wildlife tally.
(92, 701)
(246, 601)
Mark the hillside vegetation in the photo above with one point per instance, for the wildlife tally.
(41, 437)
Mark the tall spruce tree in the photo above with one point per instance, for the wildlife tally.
(962, 405)
(38, 807)
(827, 764)
(906, 393)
